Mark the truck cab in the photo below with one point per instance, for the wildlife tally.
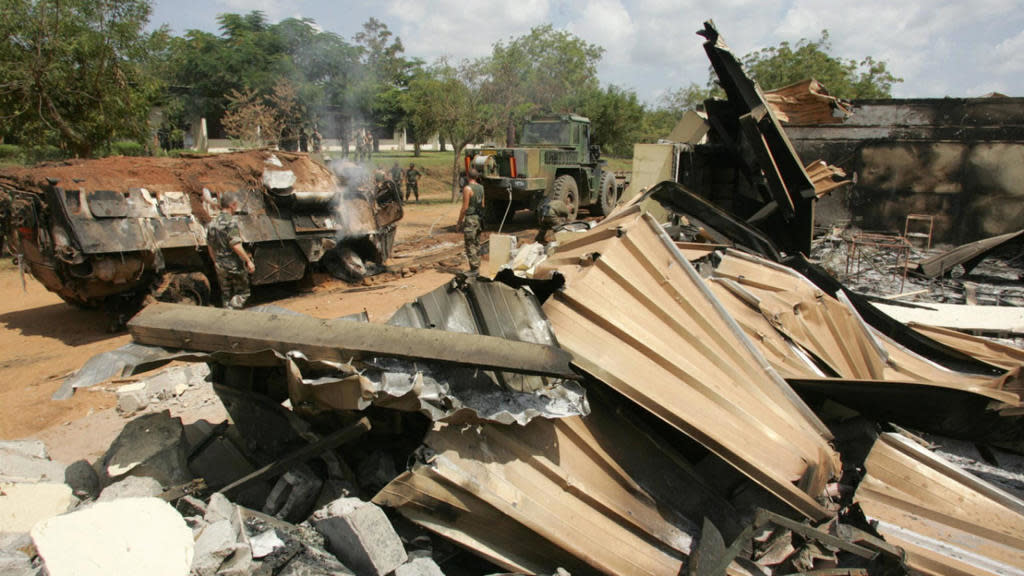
(554, 159)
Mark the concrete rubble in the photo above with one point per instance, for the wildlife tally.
(675, 390)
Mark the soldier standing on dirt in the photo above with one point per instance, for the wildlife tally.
(232, 262)
(553, 213)
(411, 182)
(470, 218)
(396, 176)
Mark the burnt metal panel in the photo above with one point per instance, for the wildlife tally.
(591, 495)
(107, 204)
(948, 521)
(477, 306)
(278, 262)
(790, 186)
(637, 316)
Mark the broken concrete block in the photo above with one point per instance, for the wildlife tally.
(294, 494)
(17, 466)
(219, 508)
(191, 506)
(215, 543)
(151, 445)
(264, 543)
(30, 448)
(361, 536)
(23, 505)
(132, 397)
(239, 563)
(82, 479)
(421, 566)
(131, 487)
(129, 536)
(220, 463)
(197, 432)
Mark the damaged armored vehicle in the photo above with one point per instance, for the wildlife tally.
(120, 231)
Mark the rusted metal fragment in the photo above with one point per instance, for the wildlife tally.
(591, 495)
(967, 255)
(637, 316)
(807, 102)
(831, 331)
(203, 329)
(948, 521)
(932, 350)
(987, 350)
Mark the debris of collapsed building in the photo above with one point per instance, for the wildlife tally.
(690, 433)
(670, 393)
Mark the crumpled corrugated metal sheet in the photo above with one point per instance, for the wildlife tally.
(637, 316)
(967, 255)
(830, 330)
(441, 391)
(589, 495)
(948, 521)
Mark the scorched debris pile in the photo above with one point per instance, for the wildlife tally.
(645, 403)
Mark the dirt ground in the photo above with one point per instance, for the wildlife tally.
(43, 339)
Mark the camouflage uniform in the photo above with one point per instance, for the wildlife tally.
(411, 184)
(396, 175)
(553, 214)
(221, 234)
(471, 226)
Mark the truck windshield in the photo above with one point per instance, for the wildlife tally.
(546, 133)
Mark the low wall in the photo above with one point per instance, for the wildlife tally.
(961, 160)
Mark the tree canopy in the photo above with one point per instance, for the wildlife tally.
(80, 74)
(77, 73)
(785, 64)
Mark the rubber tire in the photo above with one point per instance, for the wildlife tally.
(566, 190)
(607, 196)
(494, 211)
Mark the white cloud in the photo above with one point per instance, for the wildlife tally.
(608, 24)
(455, 28)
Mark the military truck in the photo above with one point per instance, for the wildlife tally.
(119, 232)
(555, 159)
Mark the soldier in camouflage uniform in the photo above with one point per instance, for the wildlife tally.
(553, 213)
(412, 186)
(233, 264)
(396, 176)
(470, 218)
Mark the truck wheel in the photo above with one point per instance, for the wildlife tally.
(565, 189)
(607, 197)
(494, 211)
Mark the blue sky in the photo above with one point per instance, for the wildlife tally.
(940, 48)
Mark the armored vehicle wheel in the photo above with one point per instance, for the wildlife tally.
(607, 197)
(565, 189)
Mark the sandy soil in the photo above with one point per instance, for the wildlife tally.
(43, 339)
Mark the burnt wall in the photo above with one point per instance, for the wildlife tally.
(961, 160)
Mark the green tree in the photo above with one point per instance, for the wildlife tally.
(385, 74)
(451, 100)
(616, 116)
(544, 71)
(785, 64)
(77, 73)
